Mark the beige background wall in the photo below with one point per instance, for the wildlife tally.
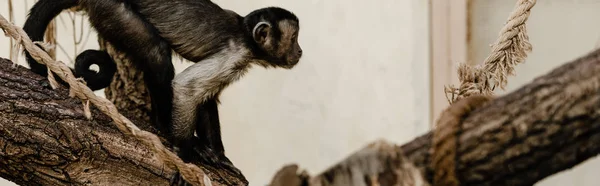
(560, 31)
(364, 76)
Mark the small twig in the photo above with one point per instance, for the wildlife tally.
(87, 38)
(73, 29)
(78, 41)
(11, 17)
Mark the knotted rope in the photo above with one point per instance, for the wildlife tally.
(190, 172)
(477, 83)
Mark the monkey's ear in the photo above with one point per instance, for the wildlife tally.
(261, 31)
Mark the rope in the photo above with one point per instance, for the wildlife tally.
(445, 139)
(509, 49)
(477, 85)
(190, 172)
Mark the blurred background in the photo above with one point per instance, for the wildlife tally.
(371, 70)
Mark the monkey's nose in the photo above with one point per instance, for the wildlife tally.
(300, 52)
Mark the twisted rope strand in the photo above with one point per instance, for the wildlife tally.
(510, 48)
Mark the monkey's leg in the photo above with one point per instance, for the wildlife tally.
(188, 116)
(129, 33)
(210, 129)
(209, 132)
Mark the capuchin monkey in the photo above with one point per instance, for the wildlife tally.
(222, 44)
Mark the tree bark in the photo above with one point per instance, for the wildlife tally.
(127, 89)
(546, 126)
(46, 139)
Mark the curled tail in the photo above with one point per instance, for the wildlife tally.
(35, 26)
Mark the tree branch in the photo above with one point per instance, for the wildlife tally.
(46, 139)
(545, 127)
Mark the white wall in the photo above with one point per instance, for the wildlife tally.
(560, 31)
(364, 76)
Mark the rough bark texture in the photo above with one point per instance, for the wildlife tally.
(127, 90)
(545, 127)
(46, 139)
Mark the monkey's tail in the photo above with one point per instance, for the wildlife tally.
(95, 80)
(35, 26)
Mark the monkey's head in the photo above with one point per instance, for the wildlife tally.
(275, 32)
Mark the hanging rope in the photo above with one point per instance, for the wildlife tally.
(477, 83)
(190, 172)
(510, 49)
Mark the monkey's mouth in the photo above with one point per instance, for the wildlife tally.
(288, 66)
(291, 63)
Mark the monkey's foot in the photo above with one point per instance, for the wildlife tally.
(210, 160)
(177, 180)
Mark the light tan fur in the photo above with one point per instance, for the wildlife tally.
(205, 80)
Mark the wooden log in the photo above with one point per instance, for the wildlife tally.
(546, 126)
(45, 139)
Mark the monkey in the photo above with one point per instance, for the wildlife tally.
(222, 44)
(267, 37)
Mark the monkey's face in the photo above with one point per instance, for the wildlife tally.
(289, 50)
(280, 41)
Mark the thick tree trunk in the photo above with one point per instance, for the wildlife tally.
(545, 127)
